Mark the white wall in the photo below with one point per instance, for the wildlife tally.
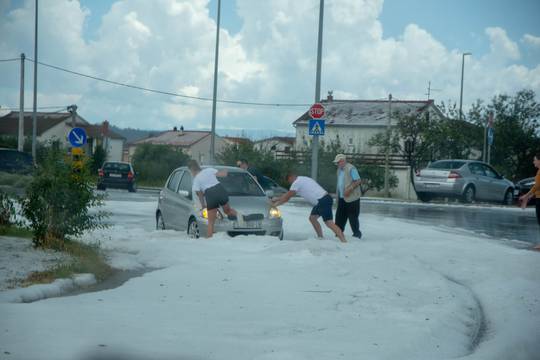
(353, 139)
(58, 132)
(115, 149)
(266, 145)
(201, 150)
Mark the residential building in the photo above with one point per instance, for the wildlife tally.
(275, 144)
(236, 141)
(353, 123)
(194, 143)
(56, 127)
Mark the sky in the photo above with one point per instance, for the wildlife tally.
(267, 55)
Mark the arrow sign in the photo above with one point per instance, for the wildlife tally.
(316, 127)
(77, 137)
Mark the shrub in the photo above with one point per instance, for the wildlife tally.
(7, 210)
(58, 200)
(154, 163)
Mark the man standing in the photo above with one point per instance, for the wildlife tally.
(318, 197)
(348, 193)
(211, 193)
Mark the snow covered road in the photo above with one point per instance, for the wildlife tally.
(405, 291)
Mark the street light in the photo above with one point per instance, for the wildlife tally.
(461, 94)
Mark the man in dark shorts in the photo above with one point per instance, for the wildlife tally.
(308, 188)
(211, 193)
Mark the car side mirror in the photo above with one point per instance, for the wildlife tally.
(269, 193)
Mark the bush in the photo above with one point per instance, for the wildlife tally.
(7, 210)
(154, 163)
(58, 200)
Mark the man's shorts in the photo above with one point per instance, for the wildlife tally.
(324, 208)
(216, 196)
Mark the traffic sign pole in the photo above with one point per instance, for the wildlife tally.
(315, 142)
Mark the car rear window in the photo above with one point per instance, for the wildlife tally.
(117, 167)
(446, 165)
(14, 160)
(240, 184)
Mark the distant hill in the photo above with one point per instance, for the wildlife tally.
(134, 134)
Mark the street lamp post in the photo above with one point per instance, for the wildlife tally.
(214, 97)
(315, 142)
(461, 93)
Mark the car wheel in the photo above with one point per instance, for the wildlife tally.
(193, 229)
(132, 188)
(101, 187)
(280, 237)
(160, 224)
(508, 197)
(468, 194)
(424, 197)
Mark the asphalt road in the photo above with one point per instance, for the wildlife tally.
(496, 222)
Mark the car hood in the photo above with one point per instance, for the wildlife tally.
(250, 204)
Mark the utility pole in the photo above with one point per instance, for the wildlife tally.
(213, 134)
(20, 139)
(34, 115)
(387, 154)
(461, 93)
(315, 142)
(73, 111)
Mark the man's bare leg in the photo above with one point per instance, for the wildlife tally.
(313, 219)
(336, 230)
(211, 220)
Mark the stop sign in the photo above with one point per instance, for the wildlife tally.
(316, 111)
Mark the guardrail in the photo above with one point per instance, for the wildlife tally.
(370, 159)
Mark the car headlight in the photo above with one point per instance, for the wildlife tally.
(274, 212)
(204, 213)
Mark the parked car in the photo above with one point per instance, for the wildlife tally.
(118, 175)
(468, 180)
(272, 186)
(179, 208)
(13, 161)
(523, 187)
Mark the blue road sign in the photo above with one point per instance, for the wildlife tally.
(316, 127)
(490, 136)
(77, 137)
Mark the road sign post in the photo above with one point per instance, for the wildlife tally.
(315, 128)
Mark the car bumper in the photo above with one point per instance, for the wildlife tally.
(272, 227)
(116, 183)
(439, 188)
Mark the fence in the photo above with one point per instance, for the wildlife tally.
(368, 159)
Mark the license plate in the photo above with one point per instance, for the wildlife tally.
(115, 175)
(248, 225)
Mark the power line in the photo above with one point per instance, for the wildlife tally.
(167, 92)
(13, 108)
(6, 60)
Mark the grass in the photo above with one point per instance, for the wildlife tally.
(85, 259)
(16, 231)
(151, 183)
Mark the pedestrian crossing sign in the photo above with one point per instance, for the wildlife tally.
(316, 127)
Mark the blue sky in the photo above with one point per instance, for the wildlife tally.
(267, 54)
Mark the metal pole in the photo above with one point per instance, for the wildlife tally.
(387, 154)
(461, 93)
(489, 154)
(485, 144)
(315, 143)
(213, 134)
(34, 119)
(20, 139)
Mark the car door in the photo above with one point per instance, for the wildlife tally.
(168, 199)
(496, 185)
(184, 201)
(479, 179)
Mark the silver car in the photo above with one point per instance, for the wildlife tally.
(179, 208)
(468, 180)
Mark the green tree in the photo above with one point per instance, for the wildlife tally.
(97, 159)
(516, 131)
(154, 163)
(58, 200)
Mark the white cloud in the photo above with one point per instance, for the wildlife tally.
(531, 40)
(169, 45)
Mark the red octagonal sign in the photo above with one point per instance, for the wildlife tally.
(316, 111)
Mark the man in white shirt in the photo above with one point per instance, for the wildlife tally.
(308, 188)
(211, 193)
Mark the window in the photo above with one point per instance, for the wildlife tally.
(174, 180)
(116, 167)
(241, 184)
(477, 169)
(447, 165)
(186, 183)
(350, 141)
(490, 172)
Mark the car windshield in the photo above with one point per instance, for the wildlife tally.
(240, 184)
(116, 167)
(447, 165)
